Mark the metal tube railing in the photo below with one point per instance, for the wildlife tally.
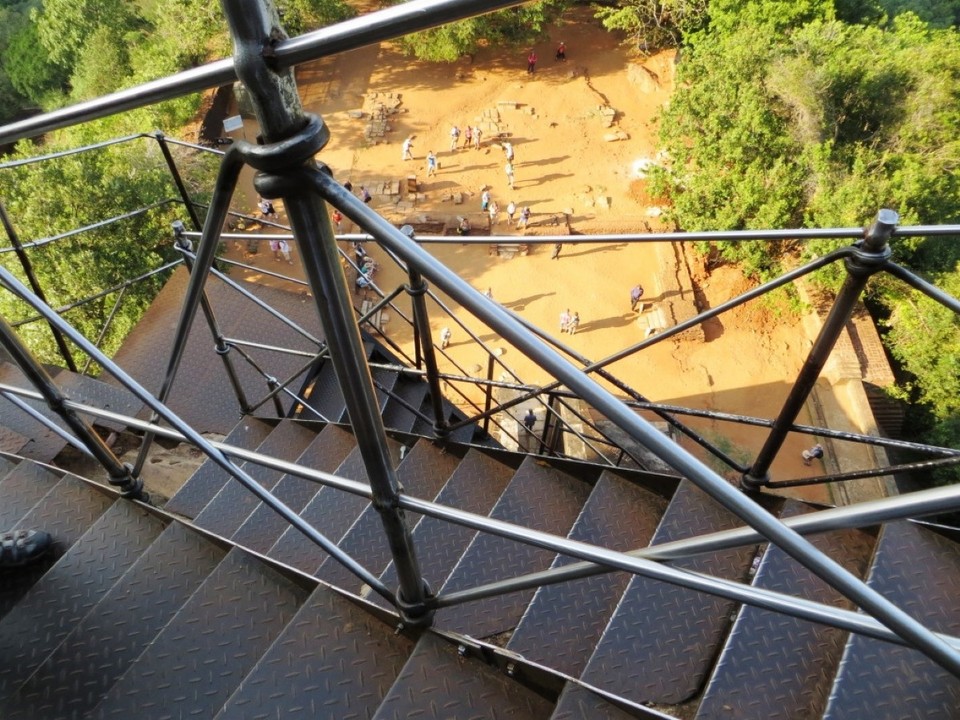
(641, 431)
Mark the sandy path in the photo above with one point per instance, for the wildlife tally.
(562, 164)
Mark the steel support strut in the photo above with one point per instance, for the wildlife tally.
(291, 139)
(120, 474)
(421, 324)
(870, 257)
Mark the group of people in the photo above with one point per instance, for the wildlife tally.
(471, 136)
(492, 207)
(569, 323)
(366, 267)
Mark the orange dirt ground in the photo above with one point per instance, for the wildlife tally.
(563, 164)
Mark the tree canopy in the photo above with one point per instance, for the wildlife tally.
(817, 114)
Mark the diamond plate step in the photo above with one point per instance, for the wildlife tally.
(917, 569)
(264, 527)
(539, 497)
(114, 633)
(64, 595)
(421, 474)
(201, 487)
(22, 488)
(199, 658)
(333, 661)
(6, 465)
(564, 622)
(326, 397)
(398, 416)
(93, 392)
(662, 639)
(578, 703)
(437, 684)
(775, 665)
(234, 503)
(31, 439)
(474, 486)
(331, 511)
(66, 512)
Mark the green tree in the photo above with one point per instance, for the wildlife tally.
(514, 26)
(654, 24)
(29, 67)
(51, 197)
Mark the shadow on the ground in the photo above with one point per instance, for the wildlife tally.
(523, 302)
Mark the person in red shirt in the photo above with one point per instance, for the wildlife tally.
(532, 62)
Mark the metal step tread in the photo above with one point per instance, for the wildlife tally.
(264, 527)
(199, 658)
(97, 652)
(331, 512)
(326, 397)
(66, 512)
(30, 438)
(398, 416)
(774, 665)
(539, 497)
(234, 503)
(21, 489)
(438, 684)
(662, 638)
(421, 473)
(333, 661)
(474, 486)
(917, 569)
(201, 487)
(93, 392)
(578, 703)
(67, 592)
(564, 622)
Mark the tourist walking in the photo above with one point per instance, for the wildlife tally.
(467, 137)
(431, 164)
(266, 209)
(557, 247)
(337, 218)
(814, 453)
(524, 218)
(508, 151)
(407, 148)
(285, 251)
(511, 211)
(508, 169)
(574, 323)
(635, 294)
(275, 249)
(365, 194)
(531, 62)
(494, 212)
(562, 51)
(477, 136)
(565, 318)
(445, 336)
(529, 420)
(454, 138)
(484, 200)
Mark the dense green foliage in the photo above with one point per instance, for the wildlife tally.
(52, 197)
(654, 24)
(817, 114)
(515, 26)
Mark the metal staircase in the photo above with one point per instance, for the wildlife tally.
(402, 566)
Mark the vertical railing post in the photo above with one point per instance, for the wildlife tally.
(220, 346)
(417, 290)
(488, 399)
(35, 284)
(290, 141)
(872, 253)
